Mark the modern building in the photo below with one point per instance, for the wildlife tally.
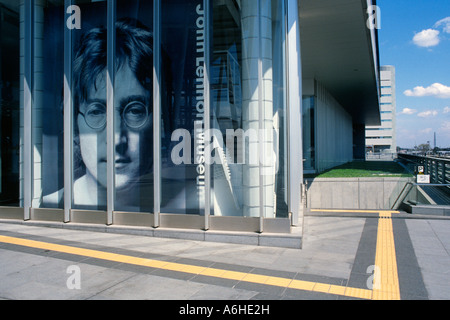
(381, 139)
(199, 115)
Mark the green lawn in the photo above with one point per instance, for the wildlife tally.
(359, 169)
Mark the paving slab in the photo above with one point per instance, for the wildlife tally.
(336, 255)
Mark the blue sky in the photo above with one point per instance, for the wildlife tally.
(414, 36)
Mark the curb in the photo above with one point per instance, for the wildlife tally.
(292, 240)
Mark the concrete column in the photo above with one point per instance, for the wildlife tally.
(257, 106)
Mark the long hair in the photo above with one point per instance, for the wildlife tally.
(134, 45)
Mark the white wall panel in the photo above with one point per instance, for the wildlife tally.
(334, 131)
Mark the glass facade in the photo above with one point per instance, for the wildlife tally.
(183, 49)
(133, 102)
(88, 94)
(168, 108)
(11, 100)
(48, 102)
(248, 108)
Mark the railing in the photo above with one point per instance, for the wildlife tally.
(439, 171)
(381, 156)
(437, 168)
(422, 194)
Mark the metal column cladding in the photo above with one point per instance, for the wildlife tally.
(68, 120)
(294, 89)
(156, 112)
(207, 117)
(110, 122)
(27, 148)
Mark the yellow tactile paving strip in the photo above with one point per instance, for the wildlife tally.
(386, 284)
(385, 260)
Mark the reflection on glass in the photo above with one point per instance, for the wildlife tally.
(248, 108)
(10, 109)
(182, 106)
(226, 106)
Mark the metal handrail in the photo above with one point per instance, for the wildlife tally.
(401, 195)
(437, 168)
(432, 184)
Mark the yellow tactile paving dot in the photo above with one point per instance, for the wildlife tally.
(151, 263)
(255, 278)
(322, 287)
(339, 290)
(233, 275)
(387, 284)
(354, 211)
(279, 282)
(210, 272)
(386, 288)
(358, 293)
(301, 285)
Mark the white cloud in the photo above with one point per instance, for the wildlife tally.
(437, 90)
(445, 126)
(445, 23)
(446, 110)
(426, 131)
(408, 111)
(427, 38)
(428, 113)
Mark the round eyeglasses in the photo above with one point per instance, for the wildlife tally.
(135, 115)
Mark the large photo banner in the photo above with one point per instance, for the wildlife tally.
(182, 94)
(133, 106)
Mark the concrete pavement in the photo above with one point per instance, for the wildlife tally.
(345, 255)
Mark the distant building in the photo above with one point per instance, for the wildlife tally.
(381, 139)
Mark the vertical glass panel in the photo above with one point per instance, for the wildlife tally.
(248, 108)
(133, 103)
(11, 75)
(182, 103)
(227, 108)
(89, 103)
(308, 133)
(48, 73)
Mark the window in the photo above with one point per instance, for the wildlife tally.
(10, 105)
(48, 98)
(89, 92)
